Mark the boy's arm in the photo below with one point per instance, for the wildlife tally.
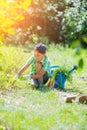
(23, 69)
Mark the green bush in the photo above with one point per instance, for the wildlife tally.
(74, 26)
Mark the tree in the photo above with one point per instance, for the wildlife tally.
(10, 12)
(43, 18)
(74, 26)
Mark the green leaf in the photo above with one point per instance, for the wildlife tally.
(75, 44)
(81, 63)
(22, 78)
(2, 127)
(1, 68)
(85, 39)
(78, 50)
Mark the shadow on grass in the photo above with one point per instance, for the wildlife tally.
(75, 90)
(43, 89)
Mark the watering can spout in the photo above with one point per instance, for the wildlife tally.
(74, 68)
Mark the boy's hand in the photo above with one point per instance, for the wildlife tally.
(51, 83)
(17, 75)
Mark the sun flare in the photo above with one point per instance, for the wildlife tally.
(10, 12)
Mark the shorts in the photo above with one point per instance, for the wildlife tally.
(41, 81)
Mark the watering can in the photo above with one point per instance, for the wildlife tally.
(61, 77)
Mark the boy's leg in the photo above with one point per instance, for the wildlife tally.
(38, 67)
(35, 83)
(45, 77)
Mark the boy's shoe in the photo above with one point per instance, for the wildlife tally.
(33, 83)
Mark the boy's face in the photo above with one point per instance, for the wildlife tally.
(38, 56)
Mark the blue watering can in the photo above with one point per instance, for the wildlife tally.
(60, 78)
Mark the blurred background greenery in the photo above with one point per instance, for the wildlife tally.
(58, 21)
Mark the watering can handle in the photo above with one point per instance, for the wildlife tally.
(74, 68)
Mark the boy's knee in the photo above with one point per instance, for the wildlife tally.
(38, 67)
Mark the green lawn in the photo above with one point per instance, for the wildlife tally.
(22, 108)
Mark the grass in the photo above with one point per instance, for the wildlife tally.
(22, 108)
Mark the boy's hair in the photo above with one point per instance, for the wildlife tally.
(41, 48)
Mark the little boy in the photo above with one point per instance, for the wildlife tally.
(40, 64)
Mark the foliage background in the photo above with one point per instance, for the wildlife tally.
(60, 21)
